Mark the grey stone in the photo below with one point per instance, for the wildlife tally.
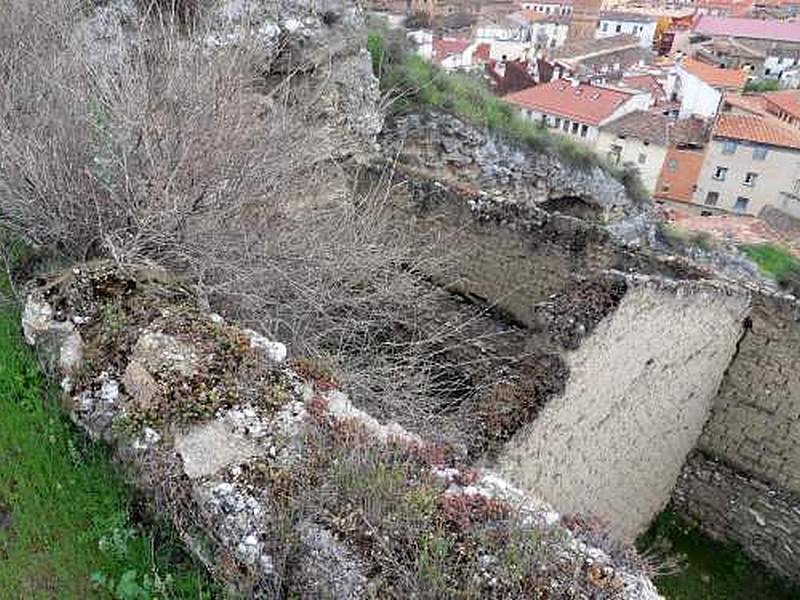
(208, 448)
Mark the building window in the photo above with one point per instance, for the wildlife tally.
(759, 153)
(566, 126)
(558, 122)
(584, 130)
(750, 179)
(729, 147)
(741, 204)
(642, 159)
(604, 27)
(618, 28)
(720, 173)
(712, 198)
(575, 129)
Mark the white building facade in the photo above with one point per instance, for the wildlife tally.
(616, 23)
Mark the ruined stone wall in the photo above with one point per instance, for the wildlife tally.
(755, 423)
(729, 505)
(274, 479)
(745, 485)
(509, 253)
(639, 392)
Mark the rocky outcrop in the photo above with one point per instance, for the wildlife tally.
(318, 50)
(275, 480)
(448, 149)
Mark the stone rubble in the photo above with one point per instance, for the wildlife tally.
(213, 454)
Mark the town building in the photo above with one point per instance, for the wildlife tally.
(599, 60)
(723, 8)
(561, 8)
(454, 54)
(751, 162)
(611, 23)
(785, 105)
(639, 139)
(583, 23)
(677, 181)
(520, 34)
(700, 87)
(576, 109)
(771, 48)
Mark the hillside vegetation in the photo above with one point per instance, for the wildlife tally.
(412, 82)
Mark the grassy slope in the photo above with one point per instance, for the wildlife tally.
(64, 514)
(713, 571)
(413, 81)
(773, 260)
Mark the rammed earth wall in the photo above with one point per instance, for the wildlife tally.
(639, 392)
(513, 255)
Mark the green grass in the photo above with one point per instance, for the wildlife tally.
(66, 526)
(762, 85)
(416, 82)
(712, 570)
(772, 260)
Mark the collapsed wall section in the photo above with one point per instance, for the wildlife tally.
(639, 393)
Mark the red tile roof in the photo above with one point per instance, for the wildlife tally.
(787, 100)
(762, 130)
(729, 79)
(482, 53)
(646, 83)
(584, 103)
(679, 174)
(444, 47)
(754, 104)
(778, 31)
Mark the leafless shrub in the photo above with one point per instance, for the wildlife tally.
(157, 148)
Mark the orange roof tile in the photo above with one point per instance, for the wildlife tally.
(753, 104)
(646, 83)
(714, 76)
(679, 174)
(759, 129)
(444, 47)
(585, 103)
(787, 100)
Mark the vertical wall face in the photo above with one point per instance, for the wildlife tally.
(755, 423)
(583, 24)
(730, 505)
(744, 486)
(639, 393)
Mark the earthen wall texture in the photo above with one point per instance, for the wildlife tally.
(640, 389)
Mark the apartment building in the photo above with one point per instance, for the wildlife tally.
(751, 162)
